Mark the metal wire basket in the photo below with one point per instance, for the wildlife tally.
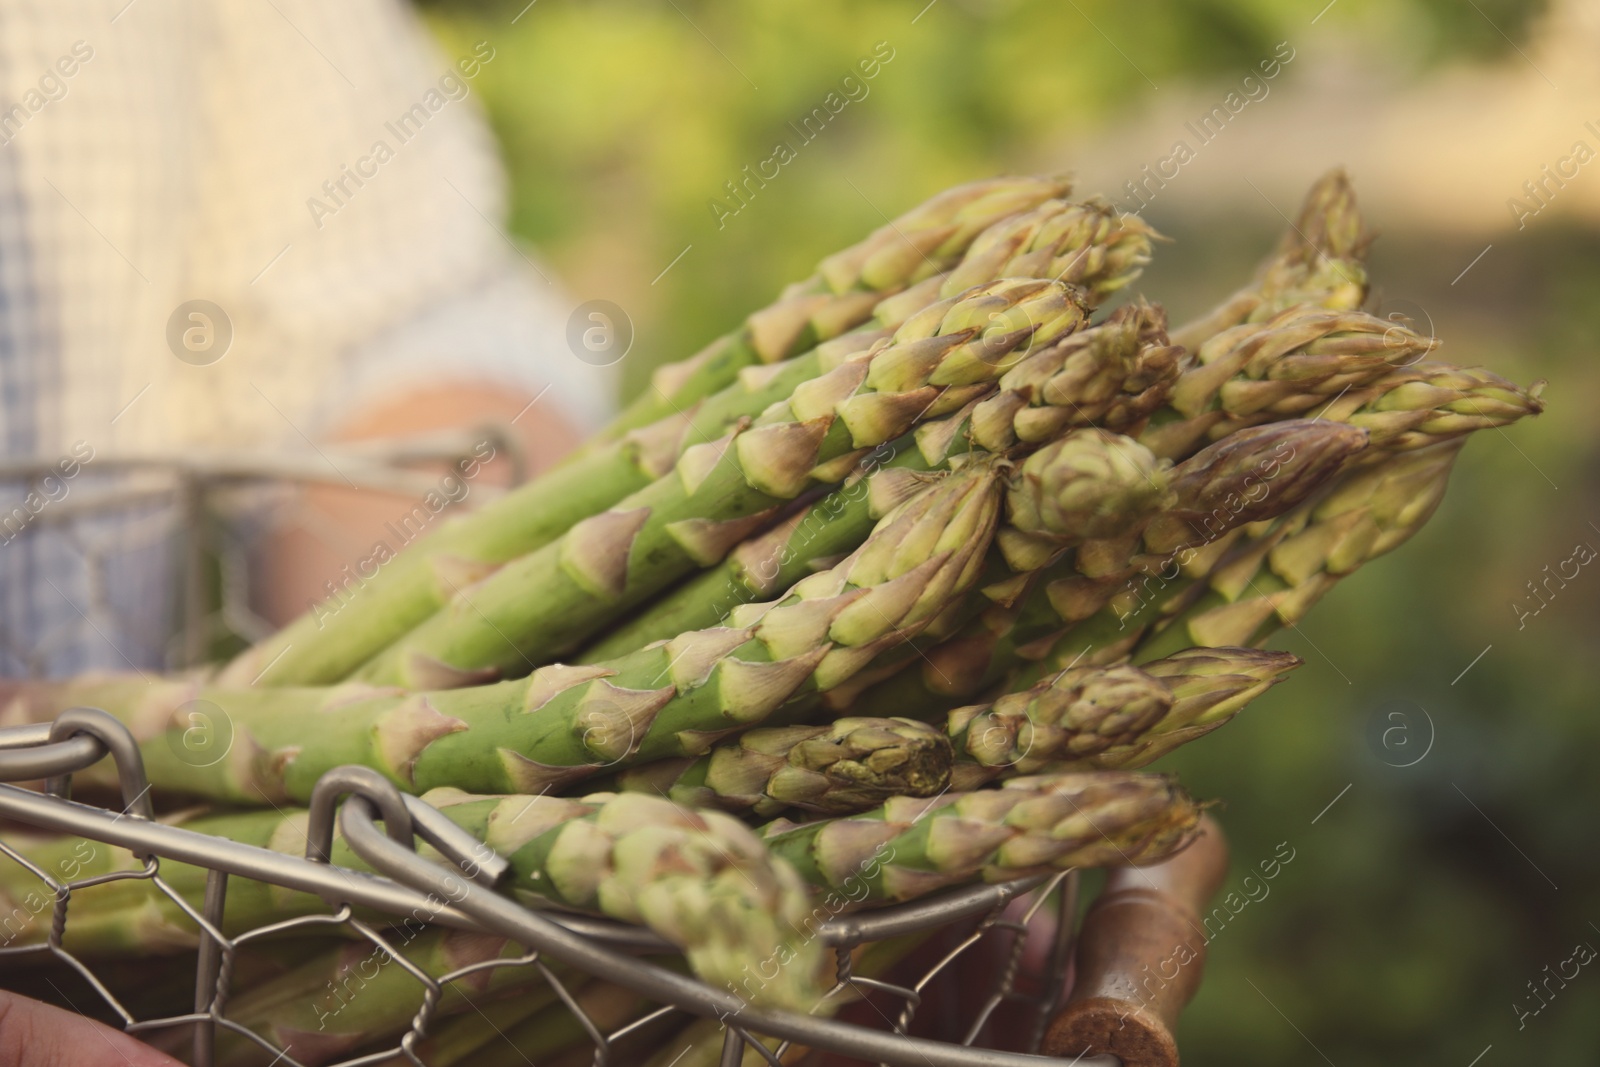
(458, 894)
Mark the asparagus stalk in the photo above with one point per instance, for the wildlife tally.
(1252, 475)
(357, 993)
(1281, 368)
(1421, 405)
(1086, 244)
(472, 1036)
(844, 766)
(1081, 719)
(1106, 608)
(1111, 375)
(476, 1037)
(910, 847)
(1088, 484)
(1424, 407)
(546, 603)
(1318, 262)
(1271, 579)
(1311, 354)
(555, 1037)
(1109, 718)
(702, 880)
(567, 722)
(700, 1043)
(842, 293)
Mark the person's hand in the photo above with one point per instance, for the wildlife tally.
(332, 527)
(37, 1035)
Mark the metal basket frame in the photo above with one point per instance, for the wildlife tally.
(462, 896)
(191, 486)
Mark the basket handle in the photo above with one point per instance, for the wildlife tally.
(1140, 955)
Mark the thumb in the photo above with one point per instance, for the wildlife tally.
(37, 1035)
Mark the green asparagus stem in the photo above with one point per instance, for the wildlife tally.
(845, 766)
(1318, 262)
(1112, 375)
(1088, 486)
(1255, 373)
(1086, 244)
(1252, 475)
(699, 1044)
(702, 880)
(1028, 826)
(1421, 405)
(357, 993)
(1271, 579)
(701, 399)
(555, 1036)
(472, 1037)
(841, 294)
(1281, 368)
(567, 722)
(1109, 718)
(545, 604)
(1081, 487)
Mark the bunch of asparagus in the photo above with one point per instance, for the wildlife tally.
(896, 586)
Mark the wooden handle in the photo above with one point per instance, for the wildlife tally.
(1140, 955)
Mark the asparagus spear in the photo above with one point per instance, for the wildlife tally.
(1318, 262)
(1110, 375)
(841, 294)
(1088, 486)
(1081, 719)
(1107, 606)
(555, 1037)
(910, 847)
(1421, 405)
(1272, 578)
(1084, 244)
(844, 766)
(1119, 717)
(702, 880)
(1087, 244)
(547, 602)
(566, 722)
(1081, 487)
(357, 993)
(629, 453)
(1250, 476)
(1280, 368)
(700, 1043)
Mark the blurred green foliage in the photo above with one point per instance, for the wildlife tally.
(621, 120)
(1419, 905)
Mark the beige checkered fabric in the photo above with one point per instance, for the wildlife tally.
(155, 152)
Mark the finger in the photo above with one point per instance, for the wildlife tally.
(37, 1035)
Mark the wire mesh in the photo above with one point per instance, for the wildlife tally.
(180, 533)
(467, 985)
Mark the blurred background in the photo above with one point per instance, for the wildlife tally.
(1432, 765)
(1431, 769)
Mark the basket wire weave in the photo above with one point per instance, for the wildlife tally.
(460, 896)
